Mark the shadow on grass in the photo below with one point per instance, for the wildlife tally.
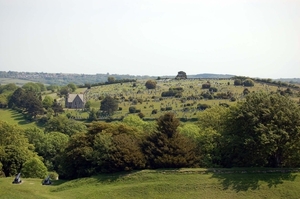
(245, 180)
(104, 178)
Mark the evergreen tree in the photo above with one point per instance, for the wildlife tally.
(166, 147)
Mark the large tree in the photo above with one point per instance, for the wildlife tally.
(166, 147)
(109, 105)
(14, 149)
(264, 130)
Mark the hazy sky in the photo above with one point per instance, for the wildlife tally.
(256, 38)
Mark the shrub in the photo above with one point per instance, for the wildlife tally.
(213, 89)
(206, 85)
(203, 106)
(154, 111)
(150, 84)
(34, 168)
(132, 109)
(248, 82)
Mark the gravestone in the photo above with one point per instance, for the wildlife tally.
(17, 179)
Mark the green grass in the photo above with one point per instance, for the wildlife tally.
(178, 183)
(15, 118)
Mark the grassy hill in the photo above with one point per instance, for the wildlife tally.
(181, 183)
(15, 118)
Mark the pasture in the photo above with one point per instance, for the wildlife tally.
(146, 100)
(171, 183)
(15, 118)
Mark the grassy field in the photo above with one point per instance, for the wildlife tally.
(15, 118)
(18, 82)
(149, 100)
(181, 183)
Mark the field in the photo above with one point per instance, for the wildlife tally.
(179, 183)
(15, 118)
(148, 100)
(18, 82)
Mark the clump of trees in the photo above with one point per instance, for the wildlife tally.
(151, 84)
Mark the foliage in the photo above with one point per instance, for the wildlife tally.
(35, 87)
(248, 82)
(132, 109)
(111, 79)
(34, 168)
(64, 125)
(109, 105)
(264, 130)
(237, 82)
(14, 149)
(76, 160)
(72, 87)
(206, 86)
(47, 102)
(151, 84)
(166, 147)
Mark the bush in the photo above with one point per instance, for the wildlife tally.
(154, 111)
(213, 89)
(34, 168)
(248, 82)
(237, 82)
(132, 109)
(203, 106)
(150, 84)
(206, 85)
(53, 175)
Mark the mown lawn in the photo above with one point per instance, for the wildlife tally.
(181, 183)
(15, 118)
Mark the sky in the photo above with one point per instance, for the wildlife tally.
(254, 38)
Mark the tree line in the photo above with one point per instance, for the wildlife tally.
(261, 131)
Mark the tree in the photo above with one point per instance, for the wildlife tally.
(150, 84)
(64, 125)
(77, 159)
(109, 105)
(34, 168)
(72, 87)
(166, 147)
(32, 104)
(14, 149)
(116, 147)
(237, 82)
(248, 82)
(111, 79)
(57, 108)
(88, 105)
(64, 90)
(264, 130)
(16, 98)
(30, 86)
(47, 102)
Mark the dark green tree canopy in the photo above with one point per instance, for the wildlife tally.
(151, 84)
(264, 130)
(248, 82)
(109, 105)
(167, 148)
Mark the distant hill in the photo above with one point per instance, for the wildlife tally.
(60, 79)
(210, 75)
